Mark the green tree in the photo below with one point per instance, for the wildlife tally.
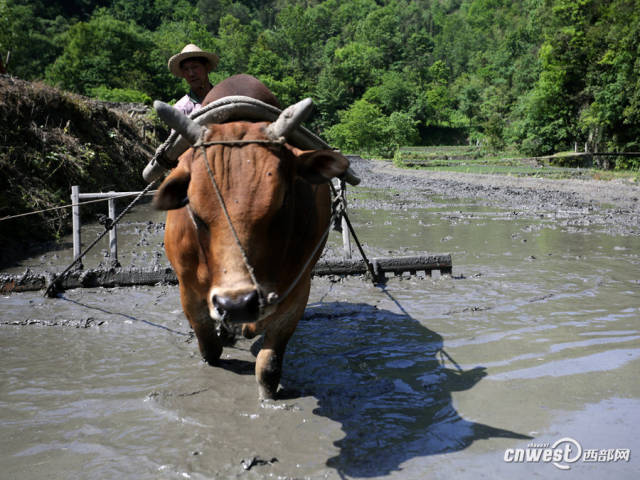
(235, 42)
(554, 104)
(400, 129)
(69, 9)
(104, 51)
(264, 61)
(27, 39)
(357, 66)
(212, 11)
(381, 29)
(395, 92)
(150, 14)
(360, 128)
(363, 127)
(612, 120)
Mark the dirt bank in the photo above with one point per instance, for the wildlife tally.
(612, 204)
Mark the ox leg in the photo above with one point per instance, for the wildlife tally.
(270, 357)
(269, 371)
(208, 342)
(197, 312)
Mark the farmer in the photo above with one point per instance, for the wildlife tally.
(193, 64)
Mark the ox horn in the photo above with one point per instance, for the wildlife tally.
(290, 119)
(178, 121)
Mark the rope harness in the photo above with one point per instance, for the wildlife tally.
(226, 109)
(272, 298)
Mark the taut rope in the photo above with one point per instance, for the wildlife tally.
(62, 207)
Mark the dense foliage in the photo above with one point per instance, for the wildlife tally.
(537, 75)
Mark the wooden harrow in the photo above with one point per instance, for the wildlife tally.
(125, 277)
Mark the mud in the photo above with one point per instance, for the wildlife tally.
(613, 206)
(533, 339)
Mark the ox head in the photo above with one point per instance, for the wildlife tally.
(274, 200)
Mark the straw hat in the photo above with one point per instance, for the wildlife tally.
(191, 51)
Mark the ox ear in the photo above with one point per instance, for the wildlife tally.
(172, 193)
(320, 166)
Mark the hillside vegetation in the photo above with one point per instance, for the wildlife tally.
(533, 77)
(537, 76)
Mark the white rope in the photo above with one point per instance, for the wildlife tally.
(62, 207)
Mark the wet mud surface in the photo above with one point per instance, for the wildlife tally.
(533, 339)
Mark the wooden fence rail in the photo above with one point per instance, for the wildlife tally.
(111, 197)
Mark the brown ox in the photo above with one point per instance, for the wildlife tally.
(278, 201)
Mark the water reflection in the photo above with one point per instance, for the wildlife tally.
(387, 380)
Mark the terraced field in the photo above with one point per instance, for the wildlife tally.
(471, 159)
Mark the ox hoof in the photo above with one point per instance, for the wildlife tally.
(268, 371)
(211, 354)
(212, 360)
(267, 393)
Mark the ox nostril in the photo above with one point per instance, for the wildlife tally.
(241, 308)
(221, 302)
(251, 302)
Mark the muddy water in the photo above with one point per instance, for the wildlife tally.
(535, 338)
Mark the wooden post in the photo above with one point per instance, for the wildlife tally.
(113, 233)
(75, 216)
(346, 237)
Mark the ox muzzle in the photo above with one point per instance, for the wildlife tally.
(241, 308)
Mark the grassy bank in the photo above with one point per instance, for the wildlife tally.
(51, 140)
(468, 159)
